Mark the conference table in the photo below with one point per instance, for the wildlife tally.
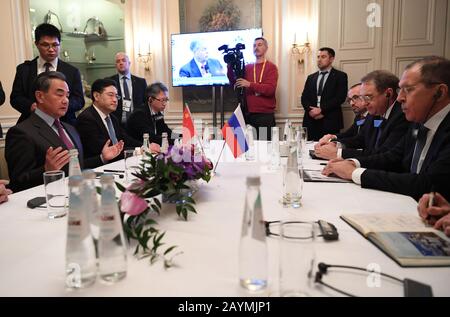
(32, 248)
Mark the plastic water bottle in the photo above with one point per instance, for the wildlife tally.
(287, 127)
(112, 252)
(146, 144)
(91, 203)
(253, 270)
(81, 266)
(165, 143)
(275, 160)
(292, 179)
(250, 154)
(74, 163)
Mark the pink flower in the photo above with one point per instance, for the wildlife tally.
(132, 204)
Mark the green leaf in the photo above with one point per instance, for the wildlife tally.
(170, 249)
(120, 187)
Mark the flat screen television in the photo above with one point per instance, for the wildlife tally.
(197, 61)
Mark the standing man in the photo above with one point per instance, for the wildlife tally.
(201, 65)
(420, 163)
(131, 89)
(2, 101)
(324, 93)
(260, 83)
(48, 42)
(42, 142)
(150, 117)
(96, 125)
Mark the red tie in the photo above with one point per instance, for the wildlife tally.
(62, 135)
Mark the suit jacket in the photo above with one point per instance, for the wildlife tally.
(22, 96)
(26, 147)
(353, 130)
(94, 134)
(365, 143)
(141, 121)
(212, 65)
(390, 171)
(2, 100)
(333, 96)
(139, 85)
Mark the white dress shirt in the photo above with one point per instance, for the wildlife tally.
(41, 62)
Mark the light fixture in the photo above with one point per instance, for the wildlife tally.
(145, 59)
(301, 51)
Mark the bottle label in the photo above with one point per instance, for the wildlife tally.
(78, 226)
(109, 223)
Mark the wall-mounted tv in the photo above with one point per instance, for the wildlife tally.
(197, 61)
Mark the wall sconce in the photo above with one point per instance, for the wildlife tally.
(145, 59)
(300, 51)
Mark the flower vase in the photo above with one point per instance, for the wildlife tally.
(179, 197)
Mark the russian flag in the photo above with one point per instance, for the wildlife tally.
(234, 133)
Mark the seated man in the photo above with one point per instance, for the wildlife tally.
(150, 118)
(4, 192)
(386, 125)
(421, 161)
(41, 142)
(437, 215)
(359, 107)
(201, 65)
(96, 125)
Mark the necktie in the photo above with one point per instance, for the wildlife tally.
(422, 133)
(126, 92)
(111, 131)
(47, 67)
(62, 135)
(322, 80)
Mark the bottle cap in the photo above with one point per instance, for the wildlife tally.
(73, 152)
(107, 178)
(164, 134)
(254, 181)
(89, 174)
(75, 180)
(146, 135)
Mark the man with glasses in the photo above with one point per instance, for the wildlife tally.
(150, 117)
(96, 125)
(42, 142)
(47, 41)
(420, 162)
(386, 125)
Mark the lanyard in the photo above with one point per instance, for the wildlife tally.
(262, 72)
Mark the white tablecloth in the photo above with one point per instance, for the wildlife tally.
(32, 249)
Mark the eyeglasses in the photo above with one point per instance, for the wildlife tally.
(366, 98)
(355, 98)
(409, 89)
(47, 46)
(112, 95)
(164, 100)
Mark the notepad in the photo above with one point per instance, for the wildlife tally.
(404, 238)
(318, 177)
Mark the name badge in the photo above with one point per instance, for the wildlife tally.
(377, 123)
(360, 122)
(126, 105)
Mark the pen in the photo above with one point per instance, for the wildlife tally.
(431, 204)
(324, 164)
(114, 171)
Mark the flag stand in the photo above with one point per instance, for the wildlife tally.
(218, 160)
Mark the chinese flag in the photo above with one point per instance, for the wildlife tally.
(188, 126)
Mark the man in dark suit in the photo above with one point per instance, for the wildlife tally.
(42, 142)
(131, 89)
(96, 125)
(150, 118)
(420, 163)
(201, 65)
(2, 101)
(48, 39)
(322, 97)
(386, 125)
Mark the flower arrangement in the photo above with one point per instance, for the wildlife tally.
(168, 174)
(223, 16)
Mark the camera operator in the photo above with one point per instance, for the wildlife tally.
(260, 83)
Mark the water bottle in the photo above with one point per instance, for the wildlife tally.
(286, 130)
(112, 252)
(292, 179)
(253, 269)
(206, 136)
(74, 163)
(146, 144)
(275, 151)
(165, 143)
(250, 154)
(81, 266)
(91, 203)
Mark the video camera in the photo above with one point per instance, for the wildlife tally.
(235, 58)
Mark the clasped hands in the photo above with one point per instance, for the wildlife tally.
(341, 168)
(326, 149)
(316, 113)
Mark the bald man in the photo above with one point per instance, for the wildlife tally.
(131, 89)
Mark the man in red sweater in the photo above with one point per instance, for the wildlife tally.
(260, 85)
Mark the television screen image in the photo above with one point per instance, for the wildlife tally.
(197, 61)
